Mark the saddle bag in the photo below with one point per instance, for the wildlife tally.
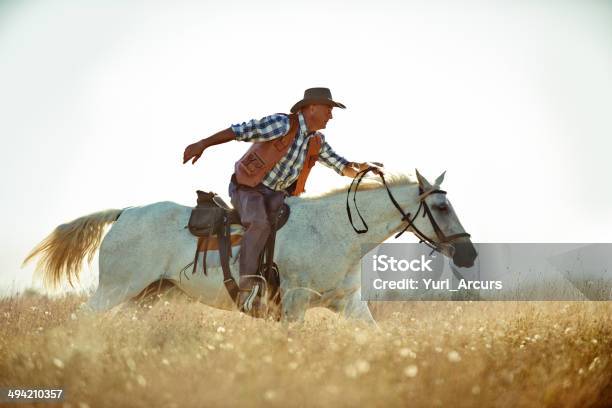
(205, 222)
(209, 216)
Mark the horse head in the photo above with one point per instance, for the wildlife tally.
(439, 225)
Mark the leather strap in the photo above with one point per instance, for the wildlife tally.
(225, 253)
(201, 241)
(269, 263)
(357, 178)
(406, 217)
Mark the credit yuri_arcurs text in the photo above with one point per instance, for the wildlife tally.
(500, 271)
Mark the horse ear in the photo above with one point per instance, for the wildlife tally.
(440, 179)
(425, 185)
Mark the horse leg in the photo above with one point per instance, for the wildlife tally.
(295, 302)
(161, 289)
(352, 307)
(118, 282)
(112, 292)
(107, 297)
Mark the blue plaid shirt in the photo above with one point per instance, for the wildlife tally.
(288, 168)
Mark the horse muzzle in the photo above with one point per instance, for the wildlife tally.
(464, 253)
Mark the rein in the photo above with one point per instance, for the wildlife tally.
(442, 238)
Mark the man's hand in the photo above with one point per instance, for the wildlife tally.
(194, 151)
(377, 168)
(351, 169)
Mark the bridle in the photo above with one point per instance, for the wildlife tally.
(442, 237)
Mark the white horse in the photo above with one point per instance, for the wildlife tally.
(317, 252)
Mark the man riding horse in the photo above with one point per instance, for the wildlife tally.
(285, 147)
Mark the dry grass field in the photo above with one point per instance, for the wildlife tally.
(178, 353)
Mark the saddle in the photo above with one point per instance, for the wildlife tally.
(211, 220)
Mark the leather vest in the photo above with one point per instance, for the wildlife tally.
(261, 157)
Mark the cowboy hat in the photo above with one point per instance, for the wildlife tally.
(321, 96)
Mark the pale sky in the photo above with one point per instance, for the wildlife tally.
(514, 100)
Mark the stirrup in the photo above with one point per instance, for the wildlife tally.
(253, 301)
(247, 304)
(256, 280)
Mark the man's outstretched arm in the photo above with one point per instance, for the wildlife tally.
(267, 128)
(196, 149)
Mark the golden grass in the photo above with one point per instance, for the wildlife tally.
(178, 353)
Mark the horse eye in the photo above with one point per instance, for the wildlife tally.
(441, 207)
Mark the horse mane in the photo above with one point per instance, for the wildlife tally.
(368, 183)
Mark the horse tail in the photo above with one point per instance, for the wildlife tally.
(62, 252)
